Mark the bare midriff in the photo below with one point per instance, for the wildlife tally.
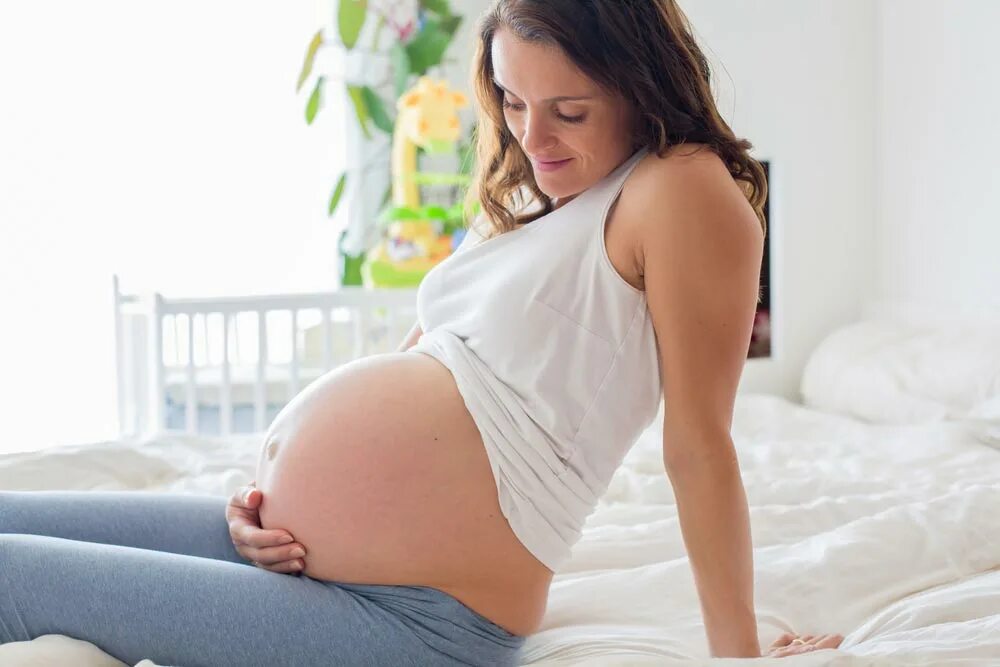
(379, 471)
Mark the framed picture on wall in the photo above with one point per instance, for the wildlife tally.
(760, 338)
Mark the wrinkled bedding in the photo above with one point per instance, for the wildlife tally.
(884, 533)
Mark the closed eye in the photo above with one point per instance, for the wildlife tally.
(562, 117)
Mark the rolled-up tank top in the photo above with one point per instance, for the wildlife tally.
(555, 357)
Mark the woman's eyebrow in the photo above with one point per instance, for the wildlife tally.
(558, 98)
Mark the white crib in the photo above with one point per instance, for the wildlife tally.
(214, 365)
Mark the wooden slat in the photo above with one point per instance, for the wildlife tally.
(158, 396)
(191, 405)
(293, 380)
(119, 357)
(327, 341)
(260, 386)
(225, 399)
(344, 296)
(390, 324)
(360, 331)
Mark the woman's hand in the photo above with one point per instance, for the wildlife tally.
(789, 644)
(273, 550)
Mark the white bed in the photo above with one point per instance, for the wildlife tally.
(883, 530)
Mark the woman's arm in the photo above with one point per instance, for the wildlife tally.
(701, 250)
(715, 524)
(411, 338)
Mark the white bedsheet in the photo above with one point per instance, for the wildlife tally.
(885, 534)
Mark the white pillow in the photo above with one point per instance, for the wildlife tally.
(896, 372)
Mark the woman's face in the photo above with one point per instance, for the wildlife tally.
(559, 116)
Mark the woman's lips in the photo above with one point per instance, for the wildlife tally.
(551, 166)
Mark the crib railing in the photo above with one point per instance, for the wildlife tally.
(243, 356)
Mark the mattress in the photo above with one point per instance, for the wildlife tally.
(884, 533)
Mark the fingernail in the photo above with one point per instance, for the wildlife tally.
(297, 552)
(286, 539)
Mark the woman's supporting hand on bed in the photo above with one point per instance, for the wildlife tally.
(274, 550)
(789, 644)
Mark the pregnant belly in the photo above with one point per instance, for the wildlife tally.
(378, 469)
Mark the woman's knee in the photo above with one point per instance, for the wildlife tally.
(17, 553)
(10, 514)
(30, 512)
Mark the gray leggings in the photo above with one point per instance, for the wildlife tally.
(156, 575)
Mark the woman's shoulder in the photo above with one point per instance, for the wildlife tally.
(682, 171)
(680, 159)
(664, 189)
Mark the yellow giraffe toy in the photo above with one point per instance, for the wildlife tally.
(427, 118)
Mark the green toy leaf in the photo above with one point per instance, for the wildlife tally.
(449, 24)
(376, 110)
(360, 108)
(312, 106)
(350, 19)
(307, 64)
(395, 213)
(437, 6)
(338, 191)
(466, 158)
(379, 25)
(433, 212)
(400, 68)
(428, 47)
(456, 212)
(405, 213)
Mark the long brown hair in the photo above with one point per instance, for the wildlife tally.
(642, 50)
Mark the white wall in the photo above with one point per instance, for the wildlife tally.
(167, 145)
(938, 166)
(796, 78)
(882, 122)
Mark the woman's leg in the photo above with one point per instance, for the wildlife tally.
(186, 610)
(194, 525)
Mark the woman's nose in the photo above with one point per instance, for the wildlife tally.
(537, 136)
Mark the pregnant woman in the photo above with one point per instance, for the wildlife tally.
(412, 508)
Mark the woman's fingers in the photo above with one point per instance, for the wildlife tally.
(248, 496)
(270, 549)
(783, 640)
(272, 555)
(790, 644)
(244, 531)
(829, 641)
(244, 522)
(284, 567)
(266, 546)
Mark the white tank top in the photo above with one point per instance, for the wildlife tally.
(555, 356)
